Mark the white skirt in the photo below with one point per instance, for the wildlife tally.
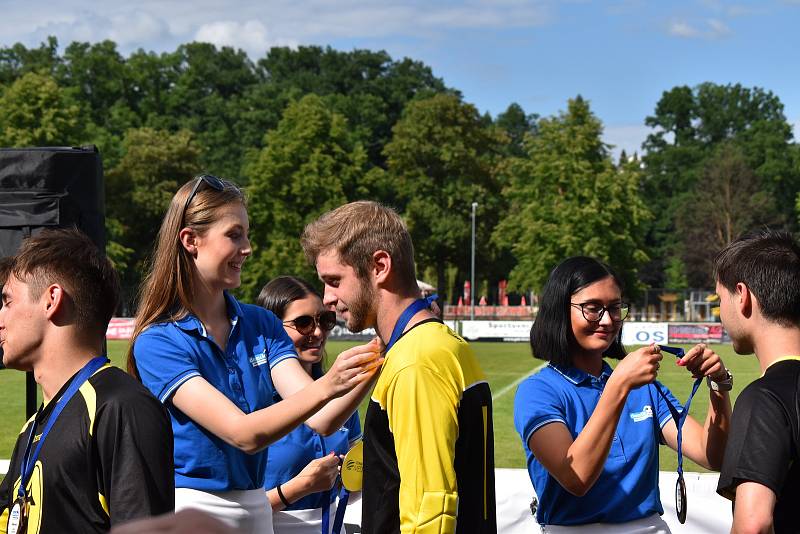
(247, 511)
(652, 524)
(302, 521)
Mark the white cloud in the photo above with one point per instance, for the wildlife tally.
(683, 29)
(709, 29)
(252, 36)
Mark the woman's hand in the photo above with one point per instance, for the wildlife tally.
(354, 366)
(638, 368)
(702, 361)
(319, 474)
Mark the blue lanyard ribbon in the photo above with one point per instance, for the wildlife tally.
(405, 317)
(679, 418)
(28, 459)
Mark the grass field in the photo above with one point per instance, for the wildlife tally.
(505, 364)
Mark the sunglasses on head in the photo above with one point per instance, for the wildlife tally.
(210, 180)
(306, 324)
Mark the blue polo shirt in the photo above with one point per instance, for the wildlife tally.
(627, 489)
(170, 353)
(289, 455)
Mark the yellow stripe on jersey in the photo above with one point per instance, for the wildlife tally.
(90, 398)
(103, 503)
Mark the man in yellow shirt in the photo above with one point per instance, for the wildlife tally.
(428, 437)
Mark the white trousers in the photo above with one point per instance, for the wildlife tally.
(247, 511)
(302, 521)
(652, 524)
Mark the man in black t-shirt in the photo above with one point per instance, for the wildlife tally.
(107, 457)
(758, 283)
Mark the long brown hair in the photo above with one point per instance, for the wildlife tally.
(166, 292)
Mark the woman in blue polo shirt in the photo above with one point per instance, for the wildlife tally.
(217, 364)
(591, 434)
(303, 465)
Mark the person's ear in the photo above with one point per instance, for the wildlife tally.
(381, 266)
(54, 300)
(743, 300)
(188, 238)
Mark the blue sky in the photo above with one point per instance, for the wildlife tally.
(621, 55)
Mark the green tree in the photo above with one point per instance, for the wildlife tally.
(138, 190)
(689, 126)
(567, 198)
(441, 160)
(724, 204)
(35, 111)
(518, 125)
(17, 60)
(310, 164)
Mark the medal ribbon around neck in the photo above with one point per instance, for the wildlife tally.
(412, 309)
(680, 418)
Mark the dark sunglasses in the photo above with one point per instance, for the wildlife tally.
(306, 324)
(210, 180)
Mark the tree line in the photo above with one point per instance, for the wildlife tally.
(307, 129)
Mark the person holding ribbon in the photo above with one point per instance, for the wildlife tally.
(98, 452)
(217, 364)
(428, 436)
(303, 466)
(590, 433)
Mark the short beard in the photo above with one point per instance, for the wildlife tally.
(361, 309)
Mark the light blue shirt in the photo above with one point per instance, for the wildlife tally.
(289, 455)
(170, 353)
(627, 488)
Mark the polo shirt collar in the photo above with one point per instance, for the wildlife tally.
(190, 321)
(576, 376)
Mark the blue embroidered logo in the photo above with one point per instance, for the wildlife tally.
(646, 413)
(258, 359)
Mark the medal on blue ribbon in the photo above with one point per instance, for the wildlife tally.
(680, 418)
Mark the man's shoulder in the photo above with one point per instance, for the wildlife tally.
(113, 386)
(433, 345)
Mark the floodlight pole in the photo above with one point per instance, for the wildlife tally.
(472, 287)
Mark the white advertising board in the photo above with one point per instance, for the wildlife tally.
(510, 330)
(644, 333)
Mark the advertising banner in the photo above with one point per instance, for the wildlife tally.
(120, 328)
(644, 333)
(505, 330)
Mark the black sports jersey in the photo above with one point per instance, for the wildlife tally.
(428, 439)
(107, 459)
(764, 441)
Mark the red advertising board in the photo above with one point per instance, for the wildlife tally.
(120, 328)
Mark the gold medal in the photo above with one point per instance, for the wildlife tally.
(18, 517)
(353, 468)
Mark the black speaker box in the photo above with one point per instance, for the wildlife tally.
(49, 187)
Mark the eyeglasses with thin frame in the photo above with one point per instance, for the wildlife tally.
(208, 179)
(593, 311)
(306, 324)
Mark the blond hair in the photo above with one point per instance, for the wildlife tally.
(167, 290)
(358, 229)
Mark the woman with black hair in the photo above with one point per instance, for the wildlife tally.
(303, 465)
(590, 432)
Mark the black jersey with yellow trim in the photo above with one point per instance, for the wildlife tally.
(428, 439)
(107, 459)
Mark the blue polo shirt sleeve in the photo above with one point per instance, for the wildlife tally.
(279, 345)
(536, 404)
(164, 359)
(663, 414)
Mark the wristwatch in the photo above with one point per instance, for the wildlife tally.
(725, 384)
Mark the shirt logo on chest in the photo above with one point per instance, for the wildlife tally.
(258, 359)
(646, 413)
